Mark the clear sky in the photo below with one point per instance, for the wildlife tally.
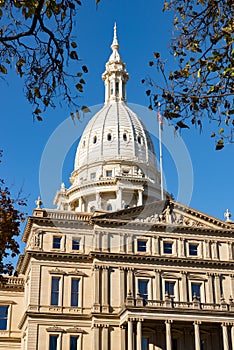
(142, 29)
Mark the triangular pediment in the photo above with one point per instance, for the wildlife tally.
(167, 212)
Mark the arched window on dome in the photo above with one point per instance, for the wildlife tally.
(109, 137)
(95, 139)
(92, 209)
(123, 90)
(112, 88)
(109, 207)
(117, 88)
(139, 139)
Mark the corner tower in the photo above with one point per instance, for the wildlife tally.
(115, 164)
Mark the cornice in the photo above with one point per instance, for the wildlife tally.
(179, 261)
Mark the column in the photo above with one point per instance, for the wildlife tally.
(105, 337)
(129, 243)
(207, 249)
(122, 245)
(225, 336)
(105, 247)
(139, 334)
(232, 335)
(140, 197)
(217, 288)
(156, 245)
(157, 294)
(168, 335)
(105, 289)
(119, 196)
(230, 250)
(123, 337)
(96, 241)
(184, 295)
(232, 285)
(96, 337)
(182, 247)
(210, 293)
(96, 280)
(197, 335)
(130, 281)
(122, 289)
(214, 250)
(130, 334)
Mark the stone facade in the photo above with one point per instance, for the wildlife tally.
(152, 275)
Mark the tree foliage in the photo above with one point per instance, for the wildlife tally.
(203, 82)
(36, 38)
(10, 220)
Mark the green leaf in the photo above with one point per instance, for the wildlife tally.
(82, 81)
(74, 44)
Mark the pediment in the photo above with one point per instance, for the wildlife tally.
(167, 212)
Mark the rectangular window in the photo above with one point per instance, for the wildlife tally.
(93, 176)
(55, 291)
(145, 343)
(73, 342)
(56, 242)
(109, 173)
(141, 245)
(174, 344)
(170, 288)
(196, 290)
(53, 342)
(167, 248)
(75, 244)
(143, 289)
(3, 317)
(193, 249)
(75, 291)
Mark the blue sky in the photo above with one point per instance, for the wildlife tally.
(142, 29)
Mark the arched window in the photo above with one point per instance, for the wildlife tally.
(95, 139)
(109, 207)
(109, 137)
(125, 137)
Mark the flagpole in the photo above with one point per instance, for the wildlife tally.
(160, 150)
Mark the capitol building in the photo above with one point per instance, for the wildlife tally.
(115, 267)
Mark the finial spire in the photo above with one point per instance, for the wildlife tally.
(115, 44)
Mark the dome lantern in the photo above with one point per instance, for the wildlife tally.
(115, 76)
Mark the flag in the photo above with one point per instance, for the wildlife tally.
(160, 119)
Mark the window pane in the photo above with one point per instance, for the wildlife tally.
(174, 344)
(192, 249)
(196, 290)
(3, 317)
(170, 288)
(75, 292)
(73, 342)
(55, 290)
(145, 343)
(75, 244)
(53, 342)
(143, 289)
(167, 248)
(141, 245)
(56, 242)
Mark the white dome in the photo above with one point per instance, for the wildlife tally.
(115, 164)
(115, 133)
